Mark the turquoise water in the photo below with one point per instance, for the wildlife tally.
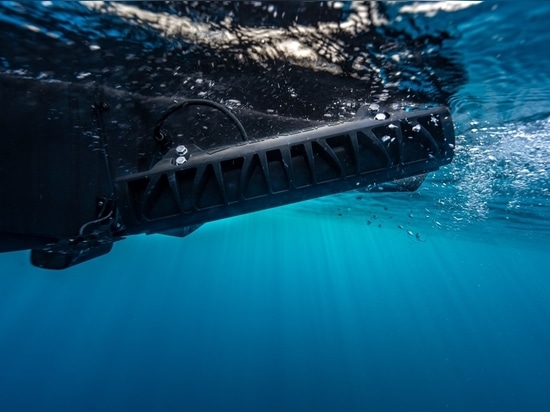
(333, 316)
(435, 300)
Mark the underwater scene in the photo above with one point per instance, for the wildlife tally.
(433, 296)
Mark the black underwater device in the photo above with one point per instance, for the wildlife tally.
(74, 181)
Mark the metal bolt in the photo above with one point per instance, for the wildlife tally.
(181, 150)
(180, 160)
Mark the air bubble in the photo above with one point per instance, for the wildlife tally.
(83, 75)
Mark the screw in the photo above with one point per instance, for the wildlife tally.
(180, 160)
(181, 150)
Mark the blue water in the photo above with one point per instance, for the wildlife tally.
(435, 300)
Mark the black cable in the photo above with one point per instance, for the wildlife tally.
(92, 222)
(201, 102)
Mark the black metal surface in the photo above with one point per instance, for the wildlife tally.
(288, 168)
(81, 166)
(70, 252)
(52, 166)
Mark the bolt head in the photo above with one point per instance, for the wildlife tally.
(181, 150)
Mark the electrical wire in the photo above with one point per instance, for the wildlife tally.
(201, 102)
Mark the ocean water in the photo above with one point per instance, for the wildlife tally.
(425, 301)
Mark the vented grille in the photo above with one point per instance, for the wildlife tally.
(286, 169)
